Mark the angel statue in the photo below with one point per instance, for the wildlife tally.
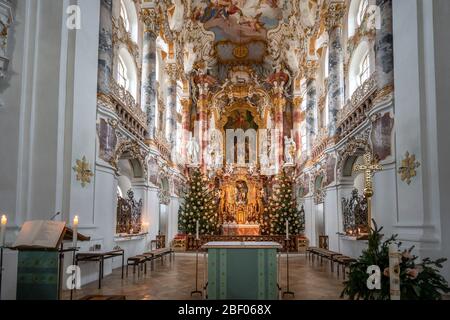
(229, 169)
(289, 150)
(251, 169)
(193, 150)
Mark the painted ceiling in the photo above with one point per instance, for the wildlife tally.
(267, 33)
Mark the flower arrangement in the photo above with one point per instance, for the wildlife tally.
(418, 280)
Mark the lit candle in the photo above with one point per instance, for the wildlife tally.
(197, 231)
(75, 231)
(287, 230)
(3, 230)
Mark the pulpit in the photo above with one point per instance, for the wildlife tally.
(242, 270)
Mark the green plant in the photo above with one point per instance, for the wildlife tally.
(418, 281)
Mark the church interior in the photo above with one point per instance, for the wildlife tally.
(224, 149)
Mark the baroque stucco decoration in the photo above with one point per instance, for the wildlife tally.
(131, 150)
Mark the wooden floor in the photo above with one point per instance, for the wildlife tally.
(175, 280)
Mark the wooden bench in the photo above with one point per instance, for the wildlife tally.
(323, 253)
(343, 262)
(139, 261)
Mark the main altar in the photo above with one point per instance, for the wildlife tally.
(241, 202)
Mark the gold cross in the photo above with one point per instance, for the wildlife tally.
(369, 167)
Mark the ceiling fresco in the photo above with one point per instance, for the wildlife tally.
(273, 37)
(238, 21)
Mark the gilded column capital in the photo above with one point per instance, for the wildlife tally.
(150, 18)
(335, 15)
(310, 69)
(172, 72)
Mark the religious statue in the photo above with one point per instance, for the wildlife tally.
(193, 150)
(251, 169)
(229, 169)
(241, 192)
(289, 150)
(215, 149)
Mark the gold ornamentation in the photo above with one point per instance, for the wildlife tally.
(369, 167)
(83, 171)
(335, 15)
(240, 51)
(408, 168)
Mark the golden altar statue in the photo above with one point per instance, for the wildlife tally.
(240, 201)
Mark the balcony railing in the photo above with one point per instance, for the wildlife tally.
(130, 113)
(354, 112)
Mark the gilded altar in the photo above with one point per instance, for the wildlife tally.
(241, 199)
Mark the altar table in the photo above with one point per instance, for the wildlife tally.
(242, 270)
(241, 230)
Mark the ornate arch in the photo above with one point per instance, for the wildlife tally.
(133, 152)
(347, 156)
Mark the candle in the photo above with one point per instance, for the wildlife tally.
(75, 231)
(3, 230)
(197, 231)
(287, 230)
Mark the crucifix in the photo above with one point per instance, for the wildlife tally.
(369, 168)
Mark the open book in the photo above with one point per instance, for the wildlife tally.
(40, 234)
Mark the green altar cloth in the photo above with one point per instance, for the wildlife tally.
(242, 270)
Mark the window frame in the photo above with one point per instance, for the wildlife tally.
(363, 6)
(364, 69)
(124, 15)
(122, 74)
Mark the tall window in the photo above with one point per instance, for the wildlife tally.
(124, 16)
(122, 74)
(364, 69)
(364, 4)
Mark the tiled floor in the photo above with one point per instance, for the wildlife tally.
(175, 281)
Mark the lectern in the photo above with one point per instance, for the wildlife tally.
(40, 261)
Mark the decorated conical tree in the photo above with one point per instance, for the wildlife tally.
(282, 207)
(199, 205)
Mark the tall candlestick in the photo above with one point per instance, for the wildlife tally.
(75, 231)
(287, 230)
(3, 230)
(197, 231)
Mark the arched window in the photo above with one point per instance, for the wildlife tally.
(122, 74)
(363, 5)
(129, 16)
(124, 16)
(364, 69)
(126, 72)
(360, 68)
(119, 192)
(356, 12)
